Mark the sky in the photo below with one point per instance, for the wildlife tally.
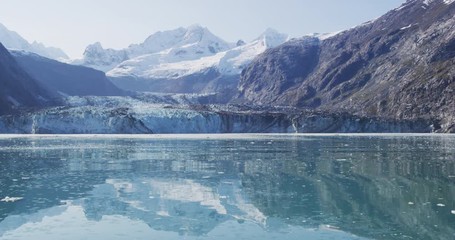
(73, 24)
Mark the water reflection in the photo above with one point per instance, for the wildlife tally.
(383, 187)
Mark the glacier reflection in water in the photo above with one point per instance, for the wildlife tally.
(227, 187)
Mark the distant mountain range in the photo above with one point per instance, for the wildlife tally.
(14, 41)
(181, 44)
(184, 60)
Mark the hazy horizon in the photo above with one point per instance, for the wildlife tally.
(72, 26)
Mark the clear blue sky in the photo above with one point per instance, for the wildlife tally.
(73, 24)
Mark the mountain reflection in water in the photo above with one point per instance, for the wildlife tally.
(234, 187)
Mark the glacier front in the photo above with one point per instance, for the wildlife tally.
(155, 114)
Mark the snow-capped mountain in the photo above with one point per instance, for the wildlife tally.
(95, 56)
(181, 44)
(12, 40)
(168, 65)
(194, 59)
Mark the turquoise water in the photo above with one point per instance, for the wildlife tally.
(228, 187)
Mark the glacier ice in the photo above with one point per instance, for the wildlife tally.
(149, 113)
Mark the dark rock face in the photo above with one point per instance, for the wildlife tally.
(18, 90)
(280, 69)
(399, 66)
(65, 78)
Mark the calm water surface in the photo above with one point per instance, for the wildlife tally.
(227, 187)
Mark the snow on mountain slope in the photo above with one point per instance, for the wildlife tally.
(191, 42)
(179, 52)
(181, 44)
(166, 65)
(12, 40)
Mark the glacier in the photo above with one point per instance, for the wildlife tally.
(163, 114)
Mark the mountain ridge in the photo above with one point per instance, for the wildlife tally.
(179, 43)
(13, 41)
(169, 68)
(18, 90)
(69, 80)
(398, 66)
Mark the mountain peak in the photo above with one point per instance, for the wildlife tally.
(240, 42)
(196, 28)
(272, 38)
(197, 33)
(93, 49)
(176, 38)
(95, 46)
(270, 31)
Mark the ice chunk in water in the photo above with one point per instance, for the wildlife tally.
(11, 199)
